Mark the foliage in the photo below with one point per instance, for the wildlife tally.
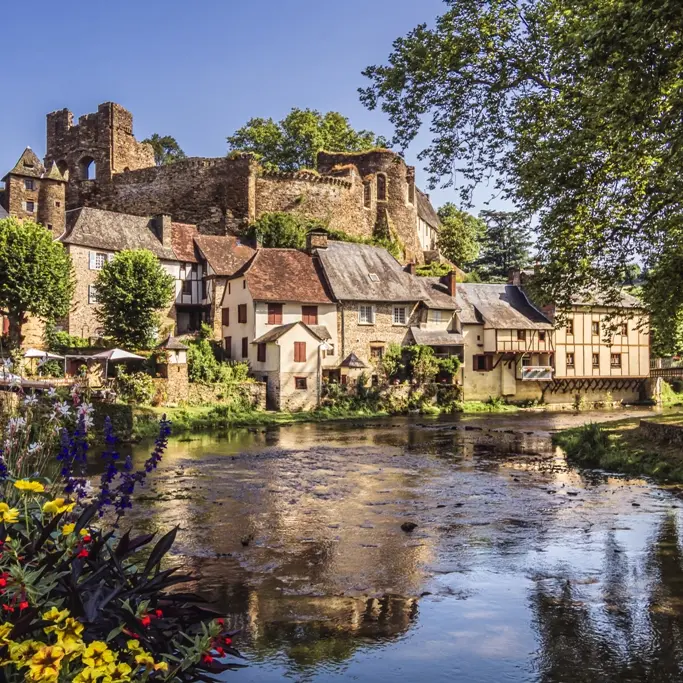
(131, 288)
(505, 245)
(423, 365)
(204, 366)
(166, 149)
(588, 445)
(282, 230)
(450, 365)
(82, 601)
(294, 142)
(573, 108)
(391, 366)
(460, 235)
(134, 387)
(433, 269)
(36, 275)
(59, 342)
(672, 392)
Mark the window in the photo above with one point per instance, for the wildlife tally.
(58, 204)
(261, 353)
(381, 187)
(275, 314)
(299, 352)
(373, 277)
(92, 294)
(596, 360)
(49, 226)
(367, 195)
(244, 284)
(615, 360)
(436, 316)
(97, 260)
(595, 328)
(541, 335)
(526, 361)
(482, 363)
(570, 327)
(624, 329)
(226, 317)
(29, 184)
(330, 349)
(242, 313)
(30, 207)
(366, 315)
(245, 347)
(87, 168)
(399, 315)
(377, 352)
(203, 289)
(521, 335)
(228, 347)
(187, 287)
(300, 384)
(194, 270)
(309, 315)
(570, 360)
(229, 288)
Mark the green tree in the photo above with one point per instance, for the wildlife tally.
(505, 245)
(131, 289)
(36, 275)
(573, 106)
(280, 229)
(460, 235)
(294, 142)
(166, 149)
(423, 365)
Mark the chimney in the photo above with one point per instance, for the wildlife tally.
(316, 239)
(515, 277)
(411, 268)
(163, 229)
(450, 282)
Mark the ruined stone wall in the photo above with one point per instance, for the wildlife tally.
(212, 193)
(52, 205)
(336, 202)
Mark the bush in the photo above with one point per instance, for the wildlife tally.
(136, 387)
(588, 445)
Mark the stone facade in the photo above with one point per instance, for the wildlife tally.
(363, 194)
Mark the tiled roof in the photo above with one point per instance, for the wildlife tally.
(626, 300)
(359, 272)
(437, 337)
(98, 229)
(320, 331)
(225, 254)
(425, 210)
(437, 294)
(182, 241)
(172, 344)
(29, 165)
(285, 275)
(280, 330)
(352, 361)
(500, 306)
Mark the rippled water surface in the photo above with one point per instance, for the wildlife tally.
(519, 569)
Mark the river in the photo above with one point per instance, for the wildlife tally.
(518, 569)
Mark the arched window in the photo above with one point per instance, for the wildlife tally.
(88, 168)
(367, 195)
(381, 187)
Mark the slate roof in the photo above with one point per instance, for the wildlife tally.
(182, 241)
(437, 337)
(172, 344)
(500, 306)
(98, 229)
(352, 361)
(285, 275)
(29, 165)
(225, 254)
(348, 268)
(320, 331)
(426, 211)
(3, 213)
(437, 294)
(281, 330)
(626, 300)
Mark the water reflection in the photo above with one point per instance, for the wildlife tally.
(519, 569)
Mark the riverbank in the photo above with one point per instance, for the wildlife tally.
(622, 446)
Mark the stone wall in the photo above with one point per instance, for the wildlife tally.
(254, 392)
(662, 432)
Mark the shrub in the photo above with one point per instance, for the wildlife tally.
(588, 445)
(203, 366)
(134, 387)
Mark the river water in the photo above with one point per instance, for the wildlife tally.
(518, 569)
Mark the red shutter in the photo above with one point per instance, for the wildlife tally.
(245, 347)
(309, 315)
(226, 317)
(261, 353)
(275, 314)
(299, 352)
(228, 347)
(242, 313)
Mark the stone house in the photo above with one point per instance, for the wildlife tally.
(278, 316)
(378, 301)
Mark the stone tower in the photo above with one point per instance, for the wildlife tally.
(33, 193)
(95, 149)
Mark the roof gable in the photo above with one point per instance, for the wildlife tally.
(426, 211)
(182, 241)
(224, 253)
(500, 306)
(29, 165)
(281, 330)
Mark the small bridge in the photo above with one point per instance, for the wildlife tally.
(666, 367)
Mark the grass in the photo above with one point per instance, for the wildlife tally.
(620, 447)
(488, 407)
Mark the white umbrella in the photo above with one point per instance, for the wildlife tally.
(37, 353)
(114, 355)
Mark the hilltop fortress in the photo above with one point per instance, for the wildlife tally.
(98, 163)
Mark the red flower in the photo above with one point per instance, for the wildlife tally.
(228, 641)
(7, 608)
(146, 620)
(87, 539)
(82, 553)
(220, 622)
(3, 582)
(158, 613)
(23, 605)
(207, 659)
(220, 651)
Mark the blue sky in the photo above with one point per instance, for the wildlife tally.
(196, 70)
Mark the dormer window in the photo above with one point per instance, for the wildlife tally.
(373, 277)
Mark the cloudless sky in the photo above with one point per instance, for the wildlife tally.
(197, 70)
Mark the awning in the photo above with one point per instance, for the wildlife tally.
(116, 354)
(37, 353)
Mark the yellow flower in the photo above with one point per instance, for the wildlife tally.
(118, 673)
(97, 654)
(90, 675)
(67, 529)
(21, 653)
(68, 635)
(146, 660)
(58, 505)
(5, 630)
(53, 614)
(161, 666)
(33, 486)
(8, 515)
(45, 664)
(85, 532)
(133, 645)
